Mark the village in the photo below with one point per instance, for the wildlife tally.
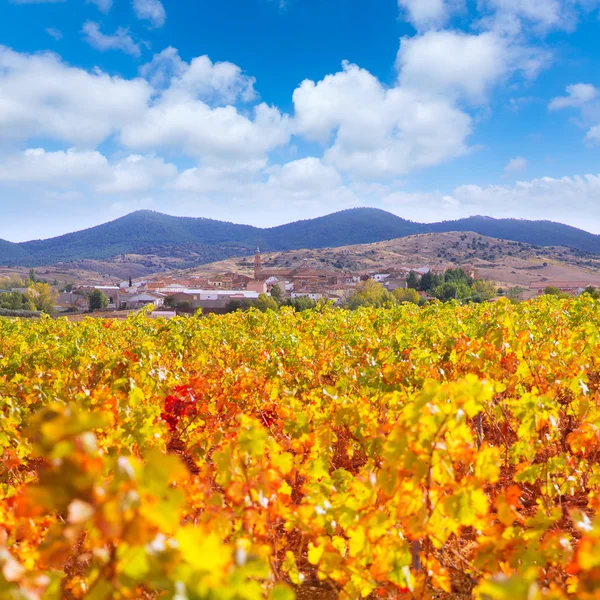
(219, 293)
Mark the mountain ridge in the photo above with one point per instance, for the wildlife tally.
(147, 232)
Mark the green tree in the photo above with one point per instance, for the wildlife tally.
(32, 276)
(592, 291)
(452, 290)
(407, 295)
(458, 275)
(265, 303)
(370, 293)
(43, 296)
(412, 281)
(430, 281)
(484, 289)
(301, 303)
(97, 300)
(277, 294)
(552, 290)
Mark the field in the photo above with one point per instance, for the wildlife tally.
(436, 452)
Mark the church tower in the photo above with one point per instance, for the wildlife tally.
(257, 264)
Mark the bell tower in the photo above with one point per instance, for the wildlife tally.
(257, 263)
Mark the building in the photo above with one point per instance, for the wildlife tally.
(257, 264)
(392, 283)
(135, 301)
(211, 300)
(256, 286)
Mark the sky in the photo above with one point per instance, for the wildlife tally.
(269, 111)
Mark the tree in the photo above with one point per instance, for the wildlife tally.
(592, 291)
(130, 282)
(277, 294)
(98, 300)
(301, 303)
(32, 276)
(452, 290)
(69, 287)
(370, 293)
(43, 296)
(458, 275)
(265, 303)
(429, 281)
(407, 295)
(484, 289)
(412, 281)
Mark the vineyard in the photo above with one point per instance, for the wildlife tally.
(438, 452)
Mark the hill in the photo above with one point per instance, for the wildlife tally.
(506, 262)
(181, 242)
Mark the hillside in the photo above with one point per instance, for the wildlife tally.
(506, 262)
(166, 242)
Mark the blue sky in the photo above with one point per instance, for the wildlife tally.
(267, 111)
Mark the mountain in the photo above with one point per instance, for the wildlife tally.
(191, 241)
(537, 233)
(11, 252)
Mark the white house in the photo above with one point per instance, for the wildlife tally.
(133, 301)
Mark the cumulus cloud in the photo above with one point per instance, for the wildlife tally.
(55, 33)
(63, 169)
(120, 40)
(215, 83)
(578, 94)
(150, 10)
(425, 14)
(40, 96)
(460, 64)
(515, 165)
(585, 98)
(193, 111)
(305, 175)
(378, 131)
(103, 5)
(136, 173)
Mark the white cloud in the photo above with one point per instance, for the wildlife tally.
(459, 64)
(542, 16)
(305, 175)
(40, 96)
(103, 5)
(136, 173)
(120, 40)
(213, 135)
(215, 83)
(150, 10)
(585, 97)
(578, 94)
(378, 131)
(194, 113)
(547, 13)
(38, 166)
(55, 33)
(567, 199)
(220, 179)
(515, 165)
(64, 169)
(425, 14)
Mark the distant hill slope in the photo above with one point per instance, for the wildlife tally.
(198, 240)
(538, 233)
